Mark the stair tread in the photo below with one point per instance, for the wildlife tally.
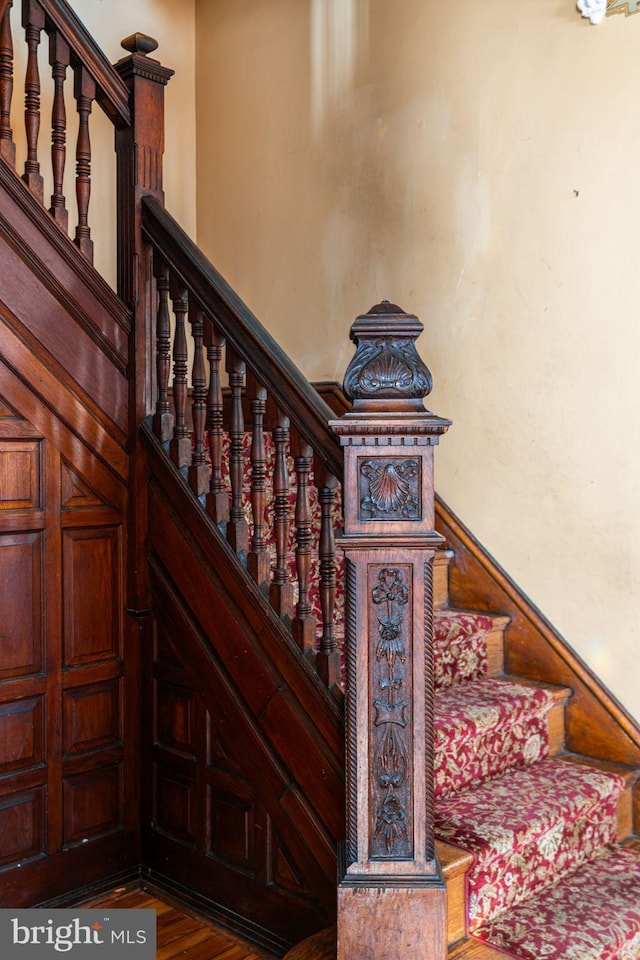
(529, 826)
(485, 727)
(455, 613)
(593, 912)
(629, 774)
(453, 860)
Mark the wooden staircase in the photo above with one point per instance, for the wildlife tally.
(173, 708)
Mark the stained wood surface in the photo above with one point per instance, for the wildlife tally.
(182, 933)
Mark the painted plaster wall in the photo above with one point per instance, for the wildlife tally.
(475, 163)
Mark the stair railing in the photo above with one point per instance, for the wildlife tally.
(70, 47)
(239, 446)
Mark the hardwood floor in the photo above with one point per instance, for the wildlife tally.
(182, 934)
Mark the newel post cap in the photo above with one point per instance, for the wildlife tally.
(387, 371)
(139, 43)
(139, 63)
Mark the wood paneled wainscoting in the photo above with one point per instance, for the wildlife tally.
(67, 780)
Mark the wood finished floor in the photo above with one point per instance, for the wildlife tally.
(182, 934)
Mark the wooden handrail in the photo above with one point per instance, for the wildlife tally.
(111, 92)
(244, 333)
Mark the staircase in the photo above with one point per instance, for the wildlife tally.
(164, 461)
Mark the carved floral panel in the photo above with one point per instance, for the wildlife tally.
(391, 724)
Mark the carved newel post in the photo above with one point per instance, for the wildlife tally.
(391, 896)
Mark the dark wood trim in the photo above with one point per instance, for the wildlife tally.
(333, 395)
(202, 660)
(243, 332)
(21, 346)
(242, 926)
(102, 886)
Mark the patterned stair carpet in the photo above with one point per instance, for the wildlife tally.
(484, 728)
(592, 914)
(549, 880)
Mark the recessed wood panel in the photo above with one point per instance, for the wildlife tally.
(92, 803)
(165, 653)
(7, 411)
(21, 826)
(20, 479)
(173, 798)
(21, 628)
(21, 733)
(231, 822)
(174, 718)
(91, 586)
(74, 493)
(218, 754)
(282, 871)
(91, 717)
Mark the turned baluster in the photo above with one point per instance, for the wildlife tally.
(237, 527)
(85, 93)
(33, 23)
(163, 418)
(218, 496)
(281, 589)
(180, 445)
(59, 58)
(7, 146)
(258, 560)
(328, 656)
(304, 623)
(198, 472)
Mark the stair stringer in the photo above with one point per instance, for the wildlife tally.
(283, 729)
(597, 725)
(68, 315)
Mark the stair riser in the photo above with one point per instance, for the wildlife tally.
(441, 563)
(495, 651)
(456, 908)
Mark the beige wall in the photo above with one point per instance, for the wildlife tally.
(476, 163)
(172, 23)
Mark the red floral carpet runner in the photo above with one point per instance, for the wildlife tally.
(486, 727)
(548, 881)
(527, 828)
(593, 914)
